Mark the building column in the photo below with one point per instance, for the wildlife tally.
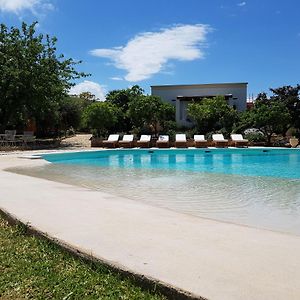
(178, 121)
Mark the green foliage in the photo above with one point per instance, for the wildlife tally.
(101, 116)
(87, 96)
(293, 132)
(70, 112)
(268, 115)
(167, 111)
(170, 125)
(167, 117)
(144, 110)
(245, 121)
(149, 111)
(290, 97)
(255, 137)
(32, 268)
(34, 79)
(212, 114)
(191, 132)
(122, 98)
(171, 133)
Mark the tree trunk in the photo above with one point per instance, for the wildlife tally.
(269, 136)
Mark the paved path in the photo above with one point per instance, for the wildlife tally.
(211, 259)
(77, 141)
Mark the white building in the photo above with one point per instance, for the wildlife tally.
(180, 95)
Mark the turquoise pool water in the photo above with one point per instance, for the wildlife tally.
(280, 163)
(255, 187)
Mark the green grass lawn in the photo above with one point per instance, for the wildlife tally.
(33, 268)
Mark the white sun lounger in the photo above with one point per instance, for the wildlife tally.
(238, 140)
(112, 141)
(200, 141)
(163, 141)
(127, 141)
(144, 141)
(219, 141)
(180, 140)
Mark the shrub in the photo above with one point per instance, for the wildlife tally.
(255, 137)
(100, 116)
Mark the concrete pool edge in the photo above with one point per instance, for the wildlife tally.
(208, 258)
(145, 282)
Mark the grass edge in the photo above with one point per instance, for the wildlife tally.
(145, 282)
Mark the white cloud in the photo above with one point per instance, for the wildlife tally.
(242, 3)
(89, 86)
(16, 6)
(116, 78)
(148, 53)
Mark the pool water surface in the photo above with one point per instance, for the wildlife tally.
(259, 188)
(282, 163)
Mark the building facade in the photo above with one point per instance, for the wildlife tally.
(181, 95)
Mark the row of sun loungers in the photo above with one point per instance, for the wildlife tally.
(163, 141)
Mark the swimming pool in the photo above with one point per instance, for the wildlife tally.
(281, 163)
(255, 187)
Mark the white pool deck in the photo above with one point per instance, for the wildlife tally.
(211, 259)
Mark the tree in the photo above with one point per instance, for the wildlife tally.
(149, 111)
(212, 114)
(101, 116)
(267, 115)
(70, 112)
(34, 79)
(122, 98)
(289, 96)
(88, 96)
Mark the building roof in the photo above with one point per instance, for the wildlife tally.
(211, 85)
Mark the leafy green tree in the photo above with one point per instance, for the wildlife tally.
(290, 97)
(149, 111)
(212, 114)
(262, 97)
(34, 79)
(245, 121)
(122, 98)
(268, 115)
(88, 96)
(167, 117)
(101, 116)
(167, 112)
(71, 112)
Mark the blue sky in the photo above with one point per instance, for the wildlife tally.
(127, 42)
